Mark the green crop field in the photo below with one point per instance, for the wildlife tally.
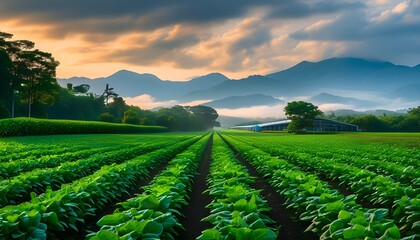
(211, 185)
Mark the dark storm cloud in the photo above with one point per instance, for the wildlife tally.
(300, 9)
(116, 16)
(390, 35)
(359, 26)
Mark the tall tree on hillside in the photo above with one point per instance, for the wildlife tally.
(108, 93)
(302, 115)
(32, 74)
(5, 88)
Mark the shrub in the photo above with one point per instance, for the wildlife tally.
(107, 117)
(34, 126)
(131, 117)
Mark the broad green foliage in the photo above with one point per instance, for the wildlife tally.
(333, 215)
(61, 181)
(302, 115)
(383, 175)
(236, 209)
(155, 212)
(71, 204)
(31, 126)
(16, 190)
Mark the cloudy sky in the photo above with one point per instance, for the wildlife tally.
(181, 39)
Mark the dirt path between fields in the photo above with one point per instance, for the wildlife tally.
(196, 210)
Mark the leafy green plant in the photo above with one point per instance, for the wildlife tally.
(237, 210)
(155, 212)
(32, 126)
(316, 202)
(72, 203)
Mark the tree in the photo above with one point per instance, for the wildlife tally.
(204, 117)
(412, 121)
(370, 123)
(302, 115)
(117, 108)
(5, 84)
(107, 117)
(80, 89)
(131, 117)
(39, 85)
(31, 76)
(108, 93)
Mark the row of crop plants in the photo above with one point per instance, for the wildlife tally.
(17, 189)
(57, 211)
(377, 159)
(402, 200)
(332, 215)
(35, 151)
(154, 214)
(237, 210)
(15, 167)
(401, 173)
(25, 148)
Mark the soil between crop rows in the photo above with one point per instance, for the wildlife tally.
(196, 210)
(290, 226)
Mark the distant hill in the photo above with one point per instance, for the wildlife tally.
(131, 84)
(330, 98)
(311, 78)
(243, 101)
(334, 80)
(408, 92)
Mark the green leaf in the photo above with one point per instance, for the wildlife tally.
(153, 227)
(344, 215)
(336, 226)
(353, 234)
(393, 232)
(210, 234)
(360, 221)
(165, 203)
(251, 206)
(263, 234)
(51, 219)
(105, 235)
(18, 235)
(237, 220)
(150, 202)
(113, 219)
(257, 224)
(334, 206)
(37, 234)
(241, 233)
(130, 228)
(240, 205)
(380, 213)
(34, 218)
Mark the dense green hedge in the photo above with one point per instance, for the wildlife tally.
(33, 126)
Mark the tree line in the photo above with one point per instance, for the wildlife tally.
(28, 88)
(302, 115)
(409, 122)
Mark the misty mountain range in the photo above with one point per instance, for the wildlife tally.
(354, 82)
